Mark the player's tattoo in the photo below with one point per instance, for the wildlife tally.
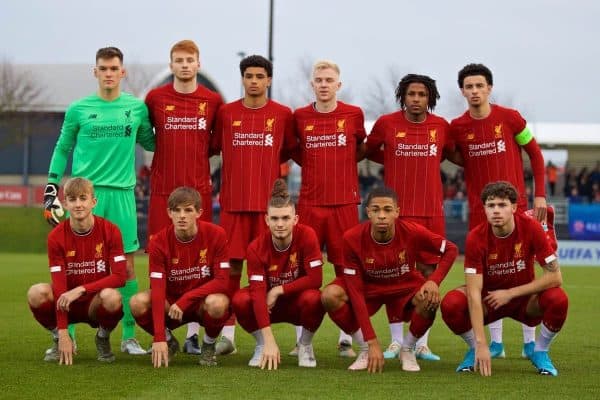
(551, 266)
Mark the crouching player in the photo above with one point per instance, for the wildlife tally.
(501, 282)
(189, 278)
(285, 274)
(87, 264)
(379, 269)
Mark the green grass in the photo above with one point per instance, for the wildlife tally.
(23, 229)
(23, 374)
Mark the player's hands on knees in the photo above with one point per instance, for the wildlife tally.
(483, 360)
(160, 354)
(375, 360)
(64, 301)
(175, 312)
(540, 208)
(271, 358)
(497, 298)
(65, 347)
(430, 295)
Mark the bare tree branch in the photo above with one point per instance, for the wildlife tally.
(137, 79)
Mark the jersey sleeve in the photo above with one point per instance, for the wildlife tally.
(116, 262)
(361, 133)
(64, 145)
(375, 140)
(145, 133)
(352, 274)
(157, 269)
(312, 265)
(518, 125)
(474, 254)
(220, 270)
(58, 274)
(431, 242)
(258, 287)
(541, 245)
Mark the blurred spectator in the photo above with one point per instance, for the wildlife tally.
(574, 197)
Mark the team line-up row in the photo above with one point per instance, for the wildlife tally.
(326, 138)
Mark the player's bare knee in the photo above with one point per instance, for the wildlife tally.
(333, 297)
(216, 305)
(139, 303)
(39, 294)
(110, 299)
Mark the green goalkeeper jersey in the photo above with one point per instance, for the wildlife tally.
(102, 135)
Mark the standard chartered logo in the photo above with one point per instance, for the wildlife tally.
(269, 140)
(501, 145)
(202, 124)
(520, 265)
(100, 266)
(341, 139)
(205, 271)
(433, 149)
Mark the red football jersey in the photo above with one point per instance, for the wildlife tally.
(490, 152)
(94, 260)
(328, 144)
(182, 273)
(373, 269)
(251, 142)
(183, 123)
(412, 156)
(297, 268)
(507, 262)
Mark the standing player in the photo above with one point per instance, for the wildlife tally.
(413, 142)
(189, 279)
(285, 274)
(252, 133)
(489, 139)
(102, 130)
(501, 282)
(85, 255)
(330, 135)
(380, 268)
(183, 115)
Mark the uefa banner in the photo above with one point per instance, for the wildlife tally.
(579, 253)
(584, 221)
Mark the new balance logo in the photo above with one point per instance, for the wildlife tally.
(341, 139)
(93, 116)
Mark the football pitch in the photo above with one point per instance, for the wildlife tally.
(24, 374)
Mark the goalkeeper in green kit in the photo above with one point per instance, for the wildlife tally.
(102, 130)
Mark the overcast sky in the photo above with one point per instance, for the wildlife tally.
(536, 48)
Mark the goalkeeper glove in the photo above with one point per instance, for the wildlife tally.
(53, 210)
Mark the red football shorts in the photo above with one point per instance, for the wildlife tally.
(242, 228)
(330, 223)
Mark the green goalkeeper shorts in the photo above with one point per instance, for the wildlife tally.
(118, 206)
